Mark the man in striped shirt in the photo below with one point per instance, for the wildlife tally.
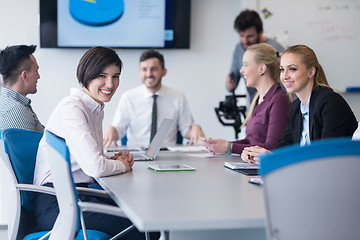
(19, 71)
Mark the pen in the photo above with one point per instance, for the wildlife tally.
(256, 181)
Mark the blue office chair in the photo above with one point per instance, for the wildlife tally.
(67, 224)
(124, 140)
(313, 192)
(18, 151)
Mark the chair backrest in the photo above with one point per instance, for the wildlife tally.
(18, 152)
(68, 221)
(124, 140)
(313, 192)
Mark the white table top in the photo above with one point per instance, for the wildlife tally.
(212, 197)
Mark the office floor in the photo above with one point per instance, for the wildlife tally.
(3, 232)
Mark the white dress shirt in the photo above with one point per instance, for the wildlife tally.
(305, 135)
(134, 111)
(78, 119)
(356, 135)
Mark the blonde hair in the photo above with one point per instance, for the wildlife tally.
(264, 54)
(309, 59)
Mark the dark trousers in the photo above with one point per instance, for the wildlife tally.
(46, 211)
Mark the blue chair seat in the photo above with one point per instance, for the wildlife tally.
(92, 235)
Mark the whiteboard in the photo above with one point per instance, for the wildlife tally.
(330, 27)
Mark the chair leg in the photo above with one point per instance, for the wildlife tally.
(46, 235)
(147, 236)
(122, 233)
(164, 235)
(82, 220)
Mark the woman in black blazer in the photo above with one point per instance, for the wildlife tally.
(318, 113)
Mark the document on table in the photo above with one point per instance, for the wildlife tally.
(186, 148)
(210, 155)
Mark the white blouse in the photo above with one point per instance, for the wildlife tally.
(78, 119)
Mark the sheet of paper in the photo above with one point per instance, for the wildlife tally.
(210, 155)
(186, 148)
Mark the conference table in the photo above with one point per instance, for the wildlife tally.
(212, 202)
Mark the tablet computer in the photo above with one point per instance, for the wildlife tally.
(248, 169)
(240, 165)
(171, 168)
(248, 172)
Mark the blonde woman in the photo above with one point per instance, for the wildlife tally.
(269, 112)
(318, 112)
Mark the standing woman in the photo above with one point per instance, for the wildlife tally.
(78, 119)
(318, 113)
(269, 112)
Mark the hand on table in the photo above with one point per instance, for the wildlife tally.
(126, 158)
(215, 145)
(251, 154)
(194, 134)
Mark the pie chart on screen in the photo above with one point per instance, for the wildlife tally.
(96, 13)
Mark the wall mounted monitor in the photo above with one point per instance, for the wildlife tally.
(115, 23)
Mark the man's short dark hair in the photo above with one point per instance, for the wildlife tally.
(12, 60)
(153, 54)
(247, 19)
(93, 63)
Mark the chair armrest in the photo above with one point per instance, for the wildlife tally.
(36, 188)
(101, 208)
(92, 192)
(51, 190)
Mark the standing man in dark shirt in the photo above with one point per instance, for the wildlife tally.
(19, 71)
(249, 27)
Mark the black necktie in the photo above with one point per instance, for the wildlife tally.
(153, 118)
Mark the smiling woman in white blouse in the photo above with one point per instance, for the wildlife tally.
(78, 119)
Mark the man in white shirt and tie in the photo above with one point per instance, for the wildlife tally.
(141, 110)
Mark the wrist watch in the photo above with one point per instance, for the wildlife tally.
(228, 149)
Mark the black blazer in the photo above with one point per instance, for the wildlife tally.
(329, 117)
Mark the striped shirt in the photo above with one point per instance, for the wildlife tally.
(16, 112)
